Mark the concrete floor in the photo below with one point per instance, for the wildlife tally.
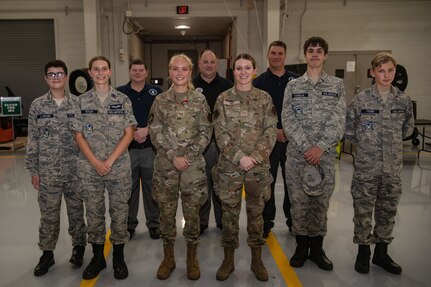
(19, 253)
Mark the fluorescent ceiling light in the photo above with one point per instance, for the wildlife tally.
(182, 27)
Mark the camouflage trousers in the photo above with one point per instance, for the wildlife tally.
(309, 213)
(49, 198)
(379, 193)
(119, 190)
(229, 182)
(168, 185)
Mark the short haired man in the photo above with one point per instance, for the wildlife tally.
(314, 111)
(210, 84)
(377, 121)
(141, 151)
(274, 82)
(51, 159)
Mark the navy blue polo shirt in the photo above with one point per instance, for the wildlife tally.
(213, 89)
(275, 86)
(141, 104)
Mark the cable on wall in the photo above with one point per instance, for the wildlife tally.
(258, 25)
(283, 23)
(236, 24)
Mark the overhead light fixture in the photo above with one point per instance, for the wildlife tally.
(182, 27)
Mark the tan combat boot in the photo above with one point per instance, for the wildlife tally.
(227, 266)
(193, 272)
(257, 266)
(168, 263)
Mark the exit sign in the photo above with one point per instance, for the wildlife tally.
(184, 9)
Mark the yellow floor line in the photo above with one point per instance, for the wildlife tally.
(106, 250)
(13, 156)
(289, 275)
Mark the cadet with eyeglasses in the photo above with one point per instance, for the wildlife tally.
(51, 160)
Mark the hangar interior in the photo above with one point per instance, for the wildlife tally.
(35, 31)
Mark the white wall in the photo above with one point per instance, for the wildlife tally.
(159, 53)
(69, 25)
(400, 26)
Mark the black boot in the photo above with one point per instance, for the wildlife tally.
(301, 252)
(382, 259)
(317, 254)
(45, 261)
(77, 255)
(97, 263)
(120, 267)
(362, 264)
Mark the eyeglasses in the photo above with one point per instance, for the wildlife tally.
(58, 75)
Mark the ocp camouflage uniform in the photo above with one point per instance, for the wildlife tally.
(180, 127)
(51, 155)
(245, 125)
(313, 115)
(103, 126)
(377, 129)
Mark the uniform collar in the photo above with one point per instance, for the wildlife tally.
(324, 77)
(393, 93)
(50, 98)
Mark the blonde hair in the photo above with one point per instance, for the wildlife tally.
(190, 64)
(382, 58)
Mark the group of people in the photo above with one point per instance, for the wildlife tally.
(207, 140)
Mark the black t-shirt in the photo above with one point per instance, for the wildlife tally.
(213, 89)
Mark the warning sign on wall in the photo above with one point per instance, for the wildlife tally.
(10, 106)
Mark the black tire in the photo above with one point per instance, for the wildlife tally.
(80, 82)
(401, 79)
(416, 142)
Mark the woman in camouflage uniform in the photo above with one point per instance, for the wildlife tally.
(180, 129)
(245, 123)
(103, 133)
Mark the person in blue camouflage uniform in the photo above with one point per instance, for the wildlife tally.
(141, 151)
(274, 81)
(180, 129)
(245, 122)
(377, 121)
(51, 160)
(103, 132)
(313, 116)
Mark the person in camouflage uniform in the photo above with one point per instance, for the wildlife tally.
(180, 129)
(103, 132)
(313, 116)
(377, 121)
(51, 160)
(210, 84)
(245, 123)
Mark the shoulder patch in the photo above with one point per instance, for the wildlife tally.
(153, 92)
